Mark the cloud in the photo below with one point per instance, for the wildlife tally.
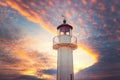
(33, 63)
(20, 77)
(108, 49)
(27, 77)
(25, 9)
(96, 24)
(50, 71)
(16, 58)
(7, 58)
(100, 71)
(24, 62)
(8, 29)
(86, 13)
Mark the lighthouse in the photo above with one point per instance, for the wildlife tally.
(65, 43)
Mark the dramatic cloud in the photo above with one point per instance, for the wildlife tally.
(50, 71)
(17, 61)
(27, 77)
(108, 67)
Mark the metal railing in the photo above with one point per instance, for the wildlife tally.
(72, 41)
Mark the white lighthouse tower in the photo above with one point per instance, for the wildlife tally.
(65, 43)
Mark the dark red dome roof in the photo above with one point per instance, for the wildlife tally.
(65, 25)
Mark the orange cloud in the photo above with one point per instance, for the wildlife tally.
(102, 7)
(2, 3)
(93, 1)
(94, 54)
(112, 8)
(33, 63)
(84, 2)
(27, 61)
(80, 20)
(68, 15)
(30, 14)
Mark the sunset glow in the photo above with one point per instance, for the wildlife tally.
(84, 58)
(27, 28)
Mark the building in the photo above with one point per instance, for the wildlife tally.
(65, 43)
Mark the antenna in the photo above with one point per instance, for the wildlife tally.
(64, 19)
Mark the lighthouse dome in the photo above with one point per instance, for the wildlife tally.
(64, 27)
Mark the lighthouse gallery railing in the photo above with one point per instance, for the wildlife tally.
(57, 43)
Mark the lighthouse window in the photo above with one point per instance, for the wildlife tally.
(67, 33)
(61, 33)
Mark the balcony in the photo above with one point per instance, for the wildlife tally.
(71, 43)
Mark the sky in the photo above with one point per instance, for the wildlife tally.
(27, 28)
